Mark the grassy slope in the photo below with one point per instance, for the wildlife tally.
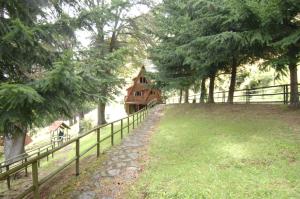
(221, 151)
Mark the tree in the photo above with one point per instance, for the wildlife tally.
(37, 78)
(113, 30)
(167, 54)
(280, 24)
(203, 90)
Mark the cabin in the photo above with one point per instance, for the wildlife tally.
(140, 94)
(59, 133)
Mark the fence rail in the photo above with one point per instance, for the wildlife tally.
(24, 157)
(279, 94)
(125, 126)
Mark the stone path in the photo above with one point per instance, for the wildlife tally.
(123, 164)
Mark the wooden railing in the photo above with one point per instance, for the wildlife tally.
(279, 94)
(125, 126)
(19, 159)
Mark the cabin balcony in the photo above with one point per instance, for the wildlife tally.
(135, 100)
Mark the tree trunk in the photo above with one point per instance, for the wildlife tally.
(101, 113)
(186, 96)
(71, 122)
(211, 89)
(232, 82)
(180, 96)
(14, 145)
(81, 118)
(203, 91)
(75, 119)
(294, 97)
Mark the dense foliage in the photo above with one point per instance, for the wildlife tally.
(199, 39)
(37, 75)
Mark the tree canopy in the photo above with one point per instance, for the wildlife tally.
(213, 37)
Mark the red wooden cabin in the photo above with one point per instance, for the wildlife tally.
(140, 94)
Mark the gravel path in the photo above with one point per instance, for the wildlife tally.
(123, 164)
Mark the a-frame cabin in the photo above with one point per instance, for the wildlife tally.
(140, 94)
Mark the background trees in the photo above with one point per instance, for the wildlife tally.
(218, 37)
(280, 23)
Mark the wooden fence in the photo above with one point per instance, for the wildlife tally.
(279, 94)
(125, 126)
(15, 161)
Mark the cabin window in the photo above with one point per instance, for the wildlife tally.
(152, 92)
(138, 93)
(143, 80)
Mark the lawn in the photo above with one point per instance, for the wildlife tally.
(223, 151)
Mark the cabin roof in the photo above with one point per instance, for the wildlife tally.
(143, 69)
(58, 124)
(137, 86)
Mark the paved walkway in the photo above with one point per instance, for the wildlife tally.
(123, 164)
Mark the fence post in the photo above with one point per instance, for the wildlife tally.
(38, 156)
(286, 94)
(77, 156)
(121, 128)
(133, 121)
(35, 180)
(8, 177)
(52, 151)
(128, 124)
(112, 134)
(247, 96)
(26, 170)
(223, 97)
(98, 142)
(140, 117)
(47, 154)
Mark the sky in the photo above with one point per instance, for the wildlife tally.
(84, 36)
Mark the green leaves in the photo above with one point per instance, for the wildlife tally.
(14, 96)
(18, 105)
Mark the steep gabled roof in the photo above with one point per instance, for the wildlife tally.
(58, 124)
(130, 89)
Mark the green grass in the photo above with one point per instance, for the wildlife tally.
(221, 151)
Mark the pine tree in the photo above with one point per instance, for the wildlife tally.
(37, 77)
(280, 24)
(113, 31)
